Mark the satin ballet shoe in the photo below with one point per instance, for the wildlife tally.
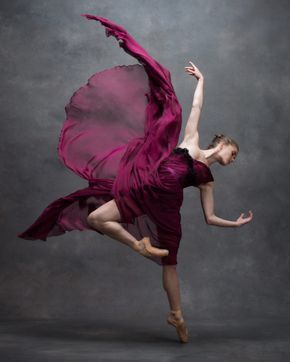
(176, 320)
(146, 249)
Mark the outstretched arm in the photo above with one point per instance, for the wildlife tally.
(207, 202)
(193, 119)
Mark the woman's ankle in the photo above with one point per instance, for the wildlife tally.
(176, 312)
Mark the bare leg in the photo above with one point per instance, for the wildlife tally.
(105, 219)
(171, 286)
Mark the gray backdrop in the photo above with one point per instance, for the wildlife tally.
(48, 51)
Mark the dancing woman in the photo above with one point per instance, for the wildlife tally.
(121, 134)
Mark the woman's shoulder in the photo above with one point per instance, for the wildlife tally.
(199, 168)
(195, 152)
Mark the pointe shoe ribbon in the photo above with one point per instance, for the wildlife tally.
(181, 328)
(148, 250)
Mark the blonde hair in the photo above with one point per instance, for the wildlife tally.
(222, 138)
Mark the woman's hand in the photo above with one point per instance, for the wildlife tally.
(241, 221)
(193, 70)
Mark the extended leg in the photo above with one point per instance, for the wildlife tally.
(171, 286)
(105, 218)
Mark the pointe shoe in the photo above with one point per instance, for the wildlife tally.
(176, 320)
(147, 250)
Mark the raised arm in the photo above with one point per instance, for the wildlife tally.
(191, 130)
(207, 202)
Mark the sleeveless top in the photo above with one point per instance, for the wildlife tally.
(198, 172)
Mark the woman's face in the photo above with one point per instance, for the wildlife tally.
(227, 154)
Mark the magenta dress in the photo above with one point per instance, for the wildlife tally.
(120, 134)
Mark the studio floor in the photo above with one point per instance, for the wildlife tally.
(262, 340)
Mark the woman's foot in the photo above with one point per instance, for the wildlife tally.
(175, 318)
(145, 248)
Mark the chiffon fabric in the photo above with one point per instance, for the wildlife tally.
(120, 134)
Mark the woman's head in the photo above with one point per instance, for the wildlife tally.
(227, 148)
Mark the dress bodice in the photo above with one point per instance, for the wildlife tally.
(197, 171)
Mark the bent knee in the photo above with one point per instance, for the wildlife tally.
(94, 219)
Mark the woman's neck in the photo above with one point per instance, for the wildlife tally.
(210, 155)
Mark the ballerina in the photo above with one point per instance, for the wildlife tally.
(121, 134)
(223, 150)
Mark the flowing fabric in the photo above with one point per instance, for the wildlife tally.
(120, 134)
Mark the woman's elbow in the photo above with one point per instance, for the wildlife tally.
(209, 220)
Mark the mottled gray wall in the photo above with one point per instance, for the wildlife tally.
(47, 51)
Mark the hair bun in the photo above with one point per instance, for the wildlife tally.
(222, 138)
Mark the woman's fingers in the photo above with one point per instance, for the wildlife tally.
(244, 220)
(249, 218)
(191, 69)
(192, 65)
(250, 213)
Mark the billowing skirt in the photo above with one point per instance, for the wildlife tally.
(119, 134)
